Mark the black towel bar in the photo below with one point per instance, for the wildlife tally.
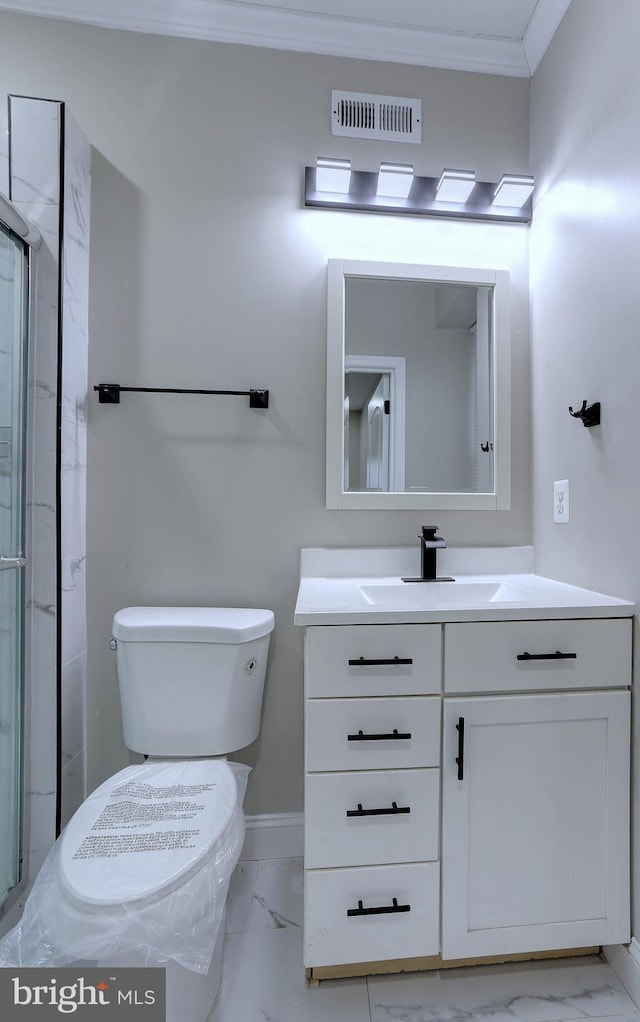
(109, 393)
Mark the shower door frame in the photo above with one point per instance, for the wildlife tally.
(29, 237)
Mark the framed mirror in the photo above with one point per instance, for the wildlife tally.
(418, 387)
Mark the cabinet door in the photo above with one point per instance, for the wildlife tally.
(535, 851)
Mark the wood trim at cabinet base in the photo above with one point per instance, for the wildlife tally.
(431, 962)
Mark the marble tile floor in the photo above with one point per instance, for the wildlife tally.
(264, 980)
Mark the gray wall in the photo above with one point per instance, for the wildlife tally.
(206, 271)
(585, 257)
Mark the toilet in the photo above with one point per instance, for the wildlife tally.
(159, 840)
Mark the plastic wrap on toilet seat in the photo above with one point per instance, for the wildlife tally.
(181, 923)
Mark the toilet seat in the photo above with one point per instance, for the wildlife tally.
(145, 831)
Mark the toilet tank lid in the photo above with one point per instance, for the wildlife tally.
(192, 624)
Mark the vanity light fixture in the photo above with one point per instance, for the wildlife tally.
(513, 190)
(395, 180)
(455, 185)
(395, 189)
(333, 175)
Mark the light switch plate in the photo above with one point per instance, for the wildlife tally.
(561, 501)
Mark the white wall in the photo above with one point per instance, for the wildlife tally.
(585, 261)
(206, 271)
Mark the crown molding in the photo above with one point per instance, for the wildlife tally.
(541, 29)
(310, 33)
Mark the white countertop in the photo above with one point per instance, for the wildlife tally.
(338, 597)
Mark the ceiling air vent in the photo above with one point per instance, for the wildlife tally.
(361, 115)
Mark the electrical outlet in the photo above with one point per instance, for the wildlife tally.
(561, 501)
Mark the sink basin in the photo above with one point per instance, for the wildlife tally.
(424, 595)
(364, 586)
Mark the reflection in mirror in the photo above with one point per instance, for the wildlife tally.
(374, 430)
(442, 332)
(418, 378)
(367, 431)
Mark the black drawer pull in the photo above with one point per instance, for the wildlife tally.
(393, 811)
(395, 661)
(394, 736)
(460, 756)
(378, 910)
(547, 656)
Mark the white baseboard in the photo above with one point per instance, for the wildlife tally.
(624, 959)
(274, 836)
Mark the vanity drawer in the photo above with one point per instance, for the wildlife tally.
(409, 660)
(334, 938)
(372, 734)
(369, 817)
(519, 656)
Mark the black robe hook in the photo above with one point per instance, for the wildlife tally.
(590, 414)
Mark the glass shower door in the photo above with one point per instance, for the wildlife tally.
(13, 386)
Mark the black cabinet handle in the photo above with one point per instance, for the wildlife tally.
(393, 811)
(394, 736)
(547, 656)
(460, 756)
(395, 661)
(378, 910)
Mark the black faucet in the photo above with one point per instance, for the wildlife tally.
(429, 543)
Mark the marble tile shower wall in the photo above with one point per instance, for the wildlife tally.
(44, 139)
(75, 347)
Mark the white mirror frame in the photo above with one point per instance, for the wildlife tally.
(337, 498)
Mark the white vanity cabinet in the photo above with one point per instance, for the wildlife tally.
(513, 837)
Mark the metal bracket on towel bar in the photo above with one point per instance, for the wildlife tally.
(109, 393)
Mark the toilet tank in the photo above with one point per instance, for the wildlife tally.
(191, 678)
